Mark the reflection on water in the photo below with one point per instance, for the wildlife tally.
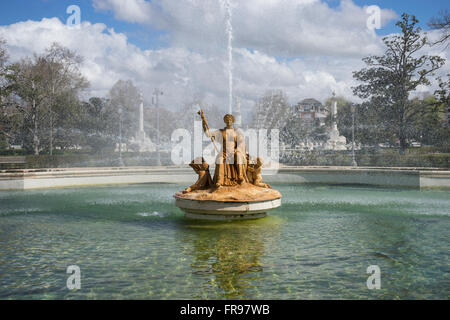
(229, 255)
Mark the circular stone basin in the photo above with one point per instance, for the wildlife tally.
(228, 203)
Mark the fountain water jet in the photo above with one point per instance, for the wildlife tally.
(229, 28)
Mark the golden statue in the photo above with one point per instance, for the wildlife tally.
(204, 181)
(254, 172)
(231, 164)
(236, 191)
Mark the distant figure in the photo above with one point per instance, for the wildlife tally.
(254, 173)
(204, 180)
(231, 161)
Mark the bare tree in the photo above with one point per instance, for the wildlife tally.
(271, 111)
(30, 97)
(46, 89)
(124, 96)
(63, 81)
(9, 118)
(442, 23)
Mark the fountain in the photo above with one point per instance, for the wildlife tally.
(236, 191)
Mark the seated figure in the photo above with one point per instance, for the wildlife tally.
(204, 180)
(230, 162)
(254, 172)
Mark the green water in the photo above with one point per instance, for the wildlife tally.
(132, 243)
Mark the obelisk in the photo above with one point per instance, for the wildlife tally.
(334, 113)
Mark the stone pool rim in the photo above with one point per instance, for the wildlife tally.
(409, 177)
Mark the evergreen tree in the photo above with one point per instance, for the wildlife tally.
(388, 80)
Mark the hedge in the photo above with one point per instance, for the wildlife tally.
(86, 160)
(384, 158)
(372, 158)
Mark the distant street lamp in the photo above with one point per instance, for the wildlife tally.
(354, 164)
(121, 164)
(156, 95)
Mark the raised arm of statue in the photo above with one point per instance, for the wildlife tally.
(205, 126)
(204, 123)
(206, 130)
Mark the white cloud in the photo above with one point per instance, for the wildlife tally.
(286, 28)
(136, 11)
(182, 73)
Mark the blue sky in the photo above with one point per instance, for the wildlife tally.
(422, 9)
(12, 11)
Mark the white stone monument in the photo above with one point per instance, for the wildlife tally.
(335, 140)
(144, 143)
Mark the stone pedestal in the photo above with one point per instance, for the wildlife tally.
(144, 143)
(214, 210)
(335, 141)
(241, 202)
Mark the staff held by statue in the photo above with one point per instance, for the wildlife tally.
(206, 128)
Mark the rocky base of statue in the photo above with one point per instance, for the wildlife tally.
(245, 192)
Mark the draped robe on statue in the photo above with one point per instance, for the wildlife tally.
(231, 163)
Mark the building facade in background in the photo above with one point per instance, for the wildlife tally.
(310, 109)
